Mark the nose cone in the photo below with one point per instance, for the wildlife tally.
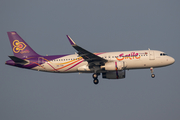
(171, 60)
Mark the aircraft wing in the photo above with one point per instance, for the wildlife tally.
(91, 58)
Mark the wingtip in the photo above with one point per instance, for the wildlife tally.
(70, 40)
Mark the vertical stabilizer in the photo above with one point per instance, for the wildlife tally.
(19, 47)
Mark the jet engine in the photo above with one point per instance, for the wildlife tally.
(115, 65)
(114, 74)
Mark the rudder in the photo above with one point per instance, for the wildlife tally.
(19, 47)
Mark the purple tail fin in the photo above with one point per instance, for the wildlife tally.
(20, 48)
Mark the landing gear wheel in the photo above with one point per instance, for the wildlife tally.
(95, 76)
(96, 81)
(153, 75)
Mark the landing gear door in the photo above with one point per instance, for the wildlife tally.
(151, 55)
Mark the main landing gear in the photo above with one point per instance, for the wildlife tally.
(95, 76)
(152, 74)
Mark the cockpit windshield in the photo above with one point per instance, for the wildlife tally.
(163, 54)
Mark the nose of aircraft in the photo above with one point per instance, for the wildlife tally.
(172, 60)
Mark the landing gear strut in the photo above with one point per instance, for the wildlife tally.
(152, 74)
(95, 76)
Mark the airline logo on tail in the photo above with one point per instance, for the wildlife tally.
(18, 46)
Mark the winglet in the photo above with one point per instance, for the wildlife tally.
(70, 40)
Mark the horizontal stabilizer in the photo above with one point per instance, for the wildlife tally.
(18, 60)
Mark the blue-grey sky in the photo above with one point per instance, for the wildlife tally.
(98, 26)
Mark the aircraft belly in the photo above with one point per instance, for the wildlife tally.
(145, 63)
(134, 64)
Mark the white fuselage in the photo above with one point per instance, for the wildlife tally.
(132, 60)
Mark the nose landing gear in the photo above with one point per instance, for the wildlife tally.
(152, 74)
(95, 76)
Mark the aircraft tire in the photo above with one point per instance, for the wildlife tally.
(95, 81)
(95, 76)
(153, 75)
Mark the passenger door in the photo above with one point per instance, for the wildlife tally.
(151, 55)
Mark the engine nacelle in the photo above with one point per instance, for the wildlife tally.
(114, 74)
(116, 65)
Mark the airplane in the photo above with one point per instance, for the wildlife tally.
(112, 65)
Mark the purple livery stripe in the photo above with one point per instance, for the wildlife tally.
(51, 66)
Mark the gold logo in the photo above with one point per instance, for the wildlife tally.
(18, 46)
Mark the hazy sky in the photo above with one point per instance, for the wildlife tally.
(98, 26)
